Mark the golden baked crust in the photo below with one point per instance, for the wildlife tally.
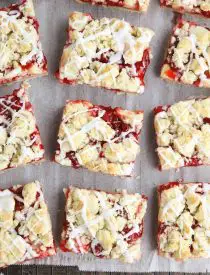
(25, 231)
(21, 51)
(184, 220)
(20, 141)
(182, 133)
(107, 53)
(105, 224)
(129, 5)
(188, 56)
(99, 138)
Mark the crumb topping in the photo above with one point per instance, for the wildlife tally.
(188, 56)
(99, 138)
(108, 53)
(25, 231)
(182, 132)
(20, 141)
(107, 225)
(200, 7)
(184, 220)
(21, 53)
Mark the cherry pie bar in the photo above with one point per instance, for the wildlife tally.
(198, 7)
(21, 55)
(26, 231)
(99, 138)
(188, 56)
(131, 5)
(183, 133)
(184, 220)
(104, 224)
(20, 141)
(108, 53)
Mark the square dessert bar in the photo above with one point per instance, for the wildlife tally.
(184, 220)
(21, 55)
(131, 5)
(188, 56)
(183, 133)
(25, 231)
(20, 141)
(108, 53)
(197, 7)
(105, 224)
(99, 138)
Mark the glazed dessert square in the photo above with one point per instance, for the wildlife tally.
(26, 231)
(198, 7)
(131, 5)
(20, 141)
(184, 220)
(99, 138)
(21, 51)
(107, 53)
(108, 225)
(182, 133)
(188, 56)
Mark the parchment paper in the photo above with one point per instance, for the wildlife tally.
(48, 98)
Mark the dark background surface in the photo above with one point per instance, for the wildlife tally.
(47, 270)
(48, 97)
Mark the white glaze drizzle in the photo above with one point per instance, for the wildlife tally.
(168, 162)
(196, 51)
(7, 202)
(95, 123)
(25, 143)
(23, 216)
(172, 203)
(195, 140)
(29, 36)
(105, 214)
(124, 40)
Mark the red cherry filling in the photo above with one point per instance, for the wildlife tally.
(72, 156)
(141, 66)
(193, 11)
(194, 161)
(12, 103)
(63, 246)
(119, 3)
(161, 228)
(31, 20)
(98, 249)
(112, 117)
(167, 186)
(174, 72)
(135, 236)
(158, 109)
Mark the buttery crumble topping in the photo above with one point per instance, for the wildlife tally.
(184, 220)
(26, 231)
(199, 7)
(182, 132)
(188, 56)
(107, 53)
(20, 141)
(21, 54)
(107, 225)
(99, 138)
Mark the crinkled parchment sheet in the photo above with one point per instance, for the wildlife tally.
(48, 98)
